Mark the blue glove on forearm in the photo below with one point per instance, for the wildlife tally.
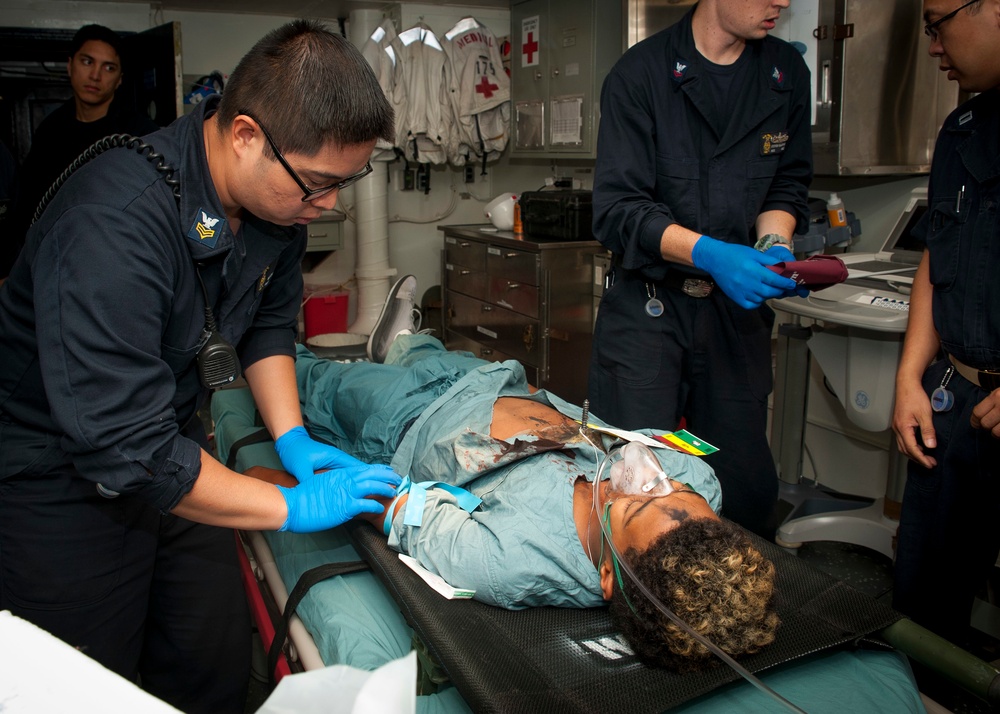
(784, 255)
(303, 456)
(739, 270)
(335, 497)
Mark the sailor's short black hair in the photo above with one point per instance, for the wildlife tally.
(96, 32)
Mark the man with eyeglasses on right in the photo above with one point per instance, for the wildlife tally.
(947, 413)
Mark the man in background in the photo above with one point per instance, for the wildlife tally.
(95, 72)
(947, 414)
(704, 154)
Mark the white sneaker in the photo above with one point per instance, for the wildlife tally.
(397, 317)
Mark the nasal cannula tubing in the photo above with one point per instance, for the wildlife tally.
(606, 533)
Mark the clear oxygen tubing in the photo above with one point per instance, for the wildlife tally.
(606, 533)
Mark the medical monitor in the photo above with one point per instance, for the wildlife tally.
(901, 250)
(901, 243)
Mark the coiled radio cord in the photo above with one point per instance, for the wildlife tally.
(111, 142)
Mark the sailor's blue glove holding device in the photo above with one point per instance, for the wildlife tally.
(780, 253)
(739, 270)
(786, 256)
(336, 497)
(302, 456)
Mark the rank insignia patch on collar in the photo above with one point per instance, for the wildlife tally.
(206, 229)
(778, 77)
(773, 143)
(680, 67)
(965, 118)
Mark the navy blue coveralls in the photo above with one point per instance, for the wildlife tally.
(948, 535)
(100, 322)
(660, 162)
(56, 143)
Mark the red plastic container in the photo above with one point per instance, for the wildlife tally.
(325, 312)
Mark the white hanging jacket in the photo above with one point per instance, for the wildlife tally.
(478, 92)
(381, 56)
(425, 131)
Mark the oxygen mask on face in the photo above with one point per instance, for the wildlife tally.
(635, 471)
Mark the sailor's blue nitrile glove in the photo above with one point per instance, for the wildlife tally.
(335, 497)
(784, 255)
(739, 270)
(781, 253)
(302, 456)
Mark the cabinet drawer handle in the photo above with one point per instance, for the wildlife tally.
(485, 352)
(513, 286)
(511, 255)
(318, 235)
(464, 272)
(487, 308)
(464, 244)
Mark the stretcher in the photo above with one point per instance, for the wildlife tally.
(828, 657)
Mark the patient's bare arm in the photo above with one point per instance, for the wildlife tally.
(275, 476)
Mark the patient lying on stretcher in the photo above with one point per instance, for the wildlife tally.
(522, 528)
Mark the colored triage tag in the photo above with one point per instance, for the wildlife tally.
(684, 440)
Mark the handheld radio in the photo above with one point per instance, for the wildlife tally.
(217, 361)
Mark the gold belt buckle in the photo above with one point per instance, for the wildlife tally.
(695, 287)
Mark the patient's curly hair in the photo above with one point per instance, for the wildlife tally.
(709, 574)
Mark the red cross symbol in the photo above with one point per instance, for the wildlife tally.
(485, 88)
(530, 47)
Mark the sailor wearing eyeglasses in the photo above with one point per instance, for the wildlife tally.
(948, 539)
(110, 502)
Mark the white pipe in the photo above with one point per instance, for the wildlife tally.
(372, 271)
(372, 211)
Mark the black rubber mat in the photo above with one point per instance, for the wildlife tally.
(563, 660)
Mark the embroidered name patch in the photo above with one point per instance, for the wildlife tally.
(206, 228)
(773, 143)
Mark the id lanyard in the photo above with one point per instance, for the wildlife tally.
(654, 308)
(942, 399)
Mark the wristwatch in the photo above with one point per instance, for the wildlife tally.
(766, 241)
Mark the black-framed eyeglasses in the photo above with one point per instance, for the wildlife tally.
(309, 194)
(931, 28)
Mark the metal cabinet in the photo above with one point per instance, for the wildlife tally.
(326, 233)
(880, 98)
(562, 50)
(508, 296)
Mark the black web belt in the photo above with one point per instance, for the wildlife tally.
(692, 285)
